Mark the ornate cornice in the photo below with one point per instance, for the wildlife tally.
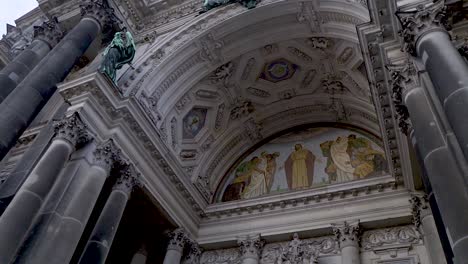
(178, 239)
(422, 20)
(49, 32)
(251, 246)
(347, 234)
(403, 78)
(99, 11)
(71, 129)
(128, 179)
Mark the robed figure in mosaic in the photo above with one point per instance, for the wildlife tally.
(300, 168)
(119, 52)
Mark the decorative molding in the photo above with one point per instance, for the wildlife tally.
(301, 55)
(100, 12)
(221, 256)
(395, 236)
(248, 68)
(241, 109)
(258, 92)
(419, 208)
(127, 180)
(251, 246)
(71, 129)
(420, 21)
(49, 32)
(106, 154)
(177, 240)
(403, 78)
(194, 254)
(347, 234)
(220, 116)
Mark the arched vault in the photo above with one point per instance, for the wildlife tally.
(231, 77)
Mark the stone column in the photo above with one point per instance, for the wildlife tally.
(424, 221)
(20, 214)
(250, 248)
(106, 226)
(20, 108)
(140, 256)
(444, 170)
(348, 235)
(175, 248)
(426, 38)
(46, 37)
(58, 247)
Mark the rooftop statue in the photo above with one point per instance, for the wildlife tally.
(210, 4)
(119, 52)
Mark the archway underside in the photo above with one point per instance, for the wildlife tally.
(255, 73)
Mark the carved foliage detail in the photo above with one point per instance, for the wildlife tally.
(71, 129)
(347, 234)
(251, 247)
(390, 236)
(414, 23)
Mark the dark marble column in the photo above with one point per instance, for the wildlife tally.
(426, 38)
(347, 236)
(58, 246)
(46, 37)
(20, 214)
(424, 221)
(444, 170)
(103, 233)
(19, 109)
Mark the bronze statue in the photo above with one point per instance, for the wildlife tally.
(119, 52)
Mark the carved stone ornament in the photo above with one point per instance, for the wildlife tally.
(347, 234)
(222, 74)
(298, 251)
(251, 246)
(49, 32)
(106, 154)
(242, 109)
(100, 11)
(127, 180)
(419, 208)
(319, 43)
(221, 256)
(390, 236)
(463, 49)
(178, 239)
(71, 129)
(403, 77)
(420, 21)
(193, 255)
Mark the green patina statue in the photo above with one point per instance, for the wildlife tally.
(210, 4)
(119, 52)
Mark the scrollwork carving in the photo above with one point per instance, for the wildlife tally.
(49, 32)
(71, 129)
(178, 239)
(419, 208)
(251, 246)
(347, 234)
(128, 179)
(417, 22)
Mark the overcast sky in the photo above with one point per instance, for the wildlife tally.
(13, 9)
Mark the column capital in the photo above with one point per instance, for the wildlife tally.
(127, 179)
(403, 77)
(419, 208)
(49, 32)
(106, 154)
(250, 246)
(178, 239)
(347, 234)
(100, 11)
(194, 254)
(421, 20)
(71, 129)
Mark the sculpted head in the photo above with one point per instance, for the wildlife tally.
(298, 147)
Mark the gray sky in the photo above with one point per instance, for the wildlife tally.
(13, 9)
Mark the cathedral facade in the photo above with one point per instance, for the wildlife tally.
(235, 132)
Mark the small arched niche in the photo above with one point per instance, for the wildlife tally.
(303, 158)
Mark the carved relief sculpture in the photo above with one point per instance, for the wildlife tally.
(210, 4)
